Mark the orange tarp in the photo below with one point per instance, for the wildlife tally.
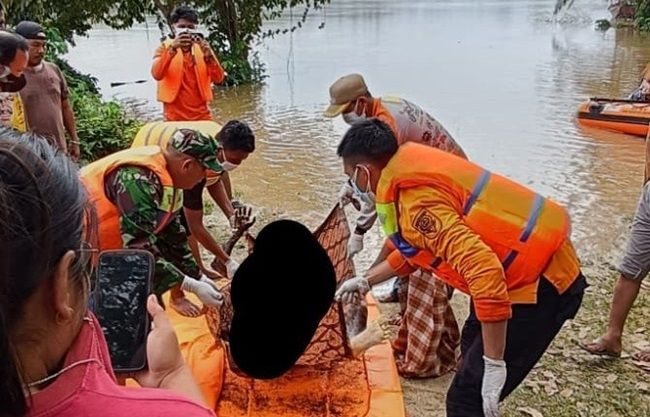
(367, 387)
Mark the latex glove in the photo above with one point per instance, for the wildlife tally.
(231, 267)
(345, 194)
(494, 378)
(209, 281)
(645, 86)
(205, 289)
(355, 245)
(350, 287)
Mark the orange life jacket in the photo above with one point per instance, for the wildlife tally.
(160, 133)
(93, 175)
(523, 228)
(169, 86)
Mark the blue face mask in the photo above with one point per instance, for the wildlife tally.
(367, 196)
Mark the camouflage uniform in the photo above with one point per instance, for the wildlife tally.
(138, 194)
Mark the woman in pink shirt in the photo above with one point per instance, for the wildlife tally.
(54, 359)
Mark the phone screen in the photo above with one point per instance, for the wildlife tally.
(120, 298)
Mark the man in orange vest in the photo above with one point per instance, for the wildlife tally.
(185, 68)
(501, 243)
(137, 194)
(350, 98)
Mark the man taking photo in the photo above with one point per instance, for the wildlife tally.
(185, 68)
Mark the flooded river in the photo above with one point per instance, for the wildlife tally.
(501, 76)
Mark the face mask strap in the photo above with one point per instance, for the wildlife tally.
(355, 176)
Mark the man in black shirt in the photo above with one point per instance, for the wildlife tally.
(236, 142)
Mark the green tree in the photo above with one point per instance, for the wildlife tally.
(234, 26)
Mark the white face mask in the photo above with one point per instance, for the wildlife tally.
(367, 196)
(227, 165)
(352, 117)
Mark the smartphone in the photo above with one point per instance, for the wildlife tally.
(124, 281)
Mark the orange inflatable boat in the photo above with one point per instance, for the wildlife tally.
(623, 116)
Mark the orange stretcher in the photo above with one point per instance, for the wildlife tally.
(365, 387)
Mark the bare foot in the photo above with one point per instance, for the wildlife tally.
(603, 347)
(184, 307)
(373, 335)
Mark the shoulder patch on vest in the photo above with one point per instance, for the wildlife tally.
(427, 223)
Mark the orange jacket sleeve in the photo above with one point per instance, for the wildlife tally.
(215, 70)
(161, 60)
(429, 219)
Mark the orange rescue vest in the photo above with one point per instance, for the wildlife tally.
(170, 85)
(93, 175)
(523, 228)
(160, 133)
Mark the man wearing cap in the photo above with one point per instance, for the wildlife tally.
(138, 194)
(350, 98)
(235, 142)
(47, 109)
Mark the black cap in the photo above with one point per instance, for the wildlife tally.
(280, 293)
(30, 30)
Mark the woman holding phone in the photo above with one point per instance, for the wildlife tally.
(54, 356)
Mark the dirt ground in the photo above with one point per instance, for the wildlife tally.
(567, 381)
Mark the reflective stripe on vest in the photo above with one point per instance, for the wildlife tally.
(538, 204)
(387, 213)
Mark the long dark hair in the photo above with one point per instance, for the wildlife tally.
(43, 215)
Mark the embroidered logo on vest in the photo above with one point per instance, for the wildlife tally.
(427, 223)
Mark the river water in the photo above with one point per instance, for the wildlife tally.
(501, 76)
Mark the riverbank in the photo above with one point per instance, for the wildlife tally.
(568, 381)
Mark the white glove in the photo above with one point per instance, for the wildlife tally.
(347, 290)
(207, 280)
(494, 378)
(207, 292)
(355, 245)
(345, 194)
(231, 267)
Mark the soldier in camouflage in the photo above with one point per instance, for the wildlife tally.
(143, 209)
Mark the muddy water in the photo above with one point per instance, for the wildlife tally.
(500, 75)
